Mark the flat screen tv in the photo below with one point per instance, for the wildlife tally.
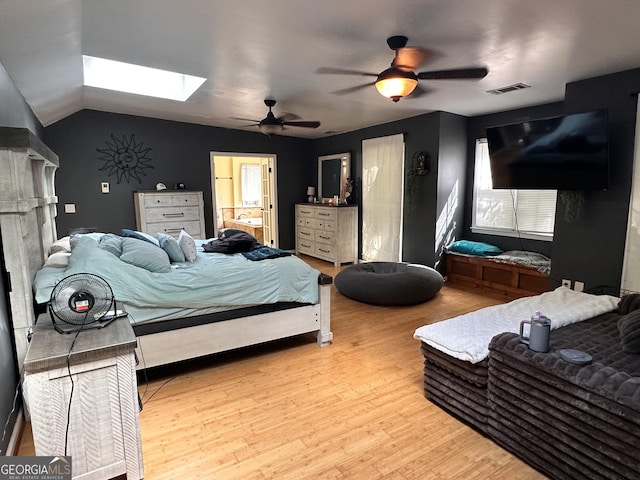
(569, 152)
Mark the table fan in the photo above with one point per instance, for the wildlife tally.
(81, 301)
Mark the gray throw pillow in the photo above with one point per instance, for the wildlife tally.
(145, 255)
(188, 246)
(171, 246)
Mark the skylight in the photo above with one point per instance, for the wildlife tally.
(129, 78)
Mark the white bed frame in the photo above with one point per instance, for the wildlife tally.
(172, 346)
(32, 166)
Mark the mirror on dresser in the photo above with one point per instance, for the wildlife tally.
(333, 171)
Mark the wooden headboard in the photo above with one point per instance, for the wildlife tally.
(28, 207)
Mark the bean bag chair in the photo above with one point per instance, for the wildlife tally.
(389, 283)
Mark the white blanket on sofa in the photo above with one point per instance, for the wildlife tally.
(467, 336)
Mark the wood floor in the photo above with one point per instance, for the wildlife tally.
(292, 410)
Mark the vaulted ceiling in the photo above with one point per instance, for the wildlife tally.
(249, 50)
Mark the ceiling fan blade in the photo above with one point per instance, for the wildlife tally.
(245, 119)
(410, 58)
(286, 116)
(454, 74)
(343, 71)
(304, 124)
(419, 91)
(355, 88)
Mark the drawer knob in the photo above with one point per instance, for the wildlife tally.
(179, 214)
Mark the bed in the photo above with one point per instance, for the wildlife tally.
(514, 274)
(566, 420)
(183, 310)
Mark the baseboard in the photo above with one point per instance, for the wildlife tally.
(16, 434)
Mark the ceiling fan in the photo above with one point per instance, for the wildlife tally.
(271, 124)
(399, 80)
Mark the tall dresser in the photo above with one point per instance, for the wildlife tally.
(327, 232)
(169, 211)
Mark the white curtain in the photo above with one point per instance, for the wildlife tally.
(382, 195)
(631, 266)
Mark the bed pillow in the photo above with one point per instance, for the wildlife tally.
(58, 259)
(140, 235)
(629, 328)
(145, 255)
(474, 248)
(111, 243)
(171, 246)
(61, 245)
(188, 246)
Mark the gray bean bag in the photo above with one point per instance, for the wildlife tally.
(389, 283)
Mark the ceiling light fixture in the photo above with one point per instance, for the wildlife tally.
(130, 78)
(395, 83)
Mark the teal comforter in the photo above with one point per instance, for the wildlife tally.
(214, 279)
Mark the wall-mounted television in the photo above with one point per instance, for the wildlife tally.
(569, 152)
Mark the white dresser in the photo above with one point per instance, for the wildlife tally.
(327, 232)
(169, 211)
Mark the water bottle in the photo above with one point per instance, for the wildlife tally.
(539, 330)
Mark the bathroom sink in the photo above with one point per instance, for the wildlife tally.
(254, 222)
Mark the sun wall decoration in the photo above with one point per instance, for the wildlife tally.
(125, 158)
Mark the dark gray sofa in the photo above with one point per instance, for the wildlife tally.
(564, 419)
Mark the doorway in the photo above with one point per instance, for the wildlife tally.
(243, 187)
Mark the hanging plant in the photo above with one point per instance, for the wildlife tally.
(573, 202)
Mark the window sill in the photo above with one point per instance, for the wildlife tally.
(513, 233)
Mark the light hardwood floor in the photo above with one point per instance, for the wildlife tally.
(291, 410)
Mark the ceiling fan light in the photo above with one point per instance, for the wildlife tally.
(270, 128)
(394, 83)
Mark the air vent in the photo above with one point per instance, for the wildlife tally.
(509, 88)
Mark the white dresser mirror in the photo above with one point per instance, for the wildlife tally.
(333, 171)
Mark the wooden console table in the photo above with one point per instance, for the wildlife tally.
(104, 427)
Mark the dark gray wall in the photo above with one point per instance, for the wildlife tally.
(422, 206)
(179, 153)
(589, 249)
(451, 178)
(14, 112)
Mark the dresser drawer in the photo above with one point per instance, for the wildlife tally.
(305, 246)
(324, 236)
(329, 225)
(305, 211)
(326, 214)
(324, 250)
(306, 234)
(171, 199)
(173, 228)
(173, 214)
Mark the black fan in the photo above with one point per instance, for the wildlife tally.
(271, 124)
(79, 300)
(405, 61)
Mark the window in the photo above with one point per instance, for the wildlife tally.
(512, 213)
(251, 184)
